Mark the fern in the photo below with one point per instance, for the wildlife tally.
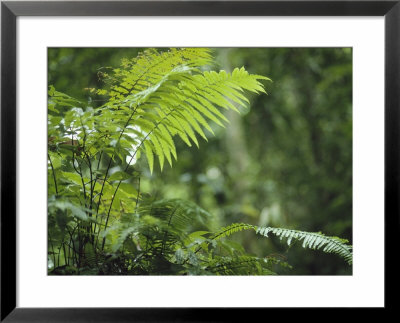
(166, 232)
(312, 240)
(151, 101)
(166, 95)
(231, 229)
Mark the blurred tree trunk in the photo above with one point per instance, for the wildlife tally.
(238, 156)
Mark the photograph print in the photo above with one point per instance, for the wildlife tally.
(199, 161)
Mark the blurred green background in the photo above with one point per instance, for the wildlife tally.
(286, 161)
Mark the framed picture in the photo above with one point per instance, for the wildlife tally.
(91, 239)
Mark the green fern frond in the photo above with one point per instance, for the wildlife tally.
(312, 240)
(177, 214)
(231, 229)
(169, 90)
(149, 66)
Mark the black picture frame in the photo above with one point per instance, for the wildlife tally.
(10, 10)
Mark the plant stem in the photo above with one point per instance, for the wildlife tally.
(52, 247)
(166, 231)
(54, 174)
(105, 178)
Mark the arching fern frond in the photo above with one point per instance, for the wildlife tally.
(165, 95)
(168, 230)
(231, 229)
(139, 73)
(312, 240)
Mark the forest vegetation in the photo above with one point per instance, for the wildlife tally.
(177, 161)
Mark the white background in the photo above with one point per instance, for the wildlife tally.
(364, 288)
